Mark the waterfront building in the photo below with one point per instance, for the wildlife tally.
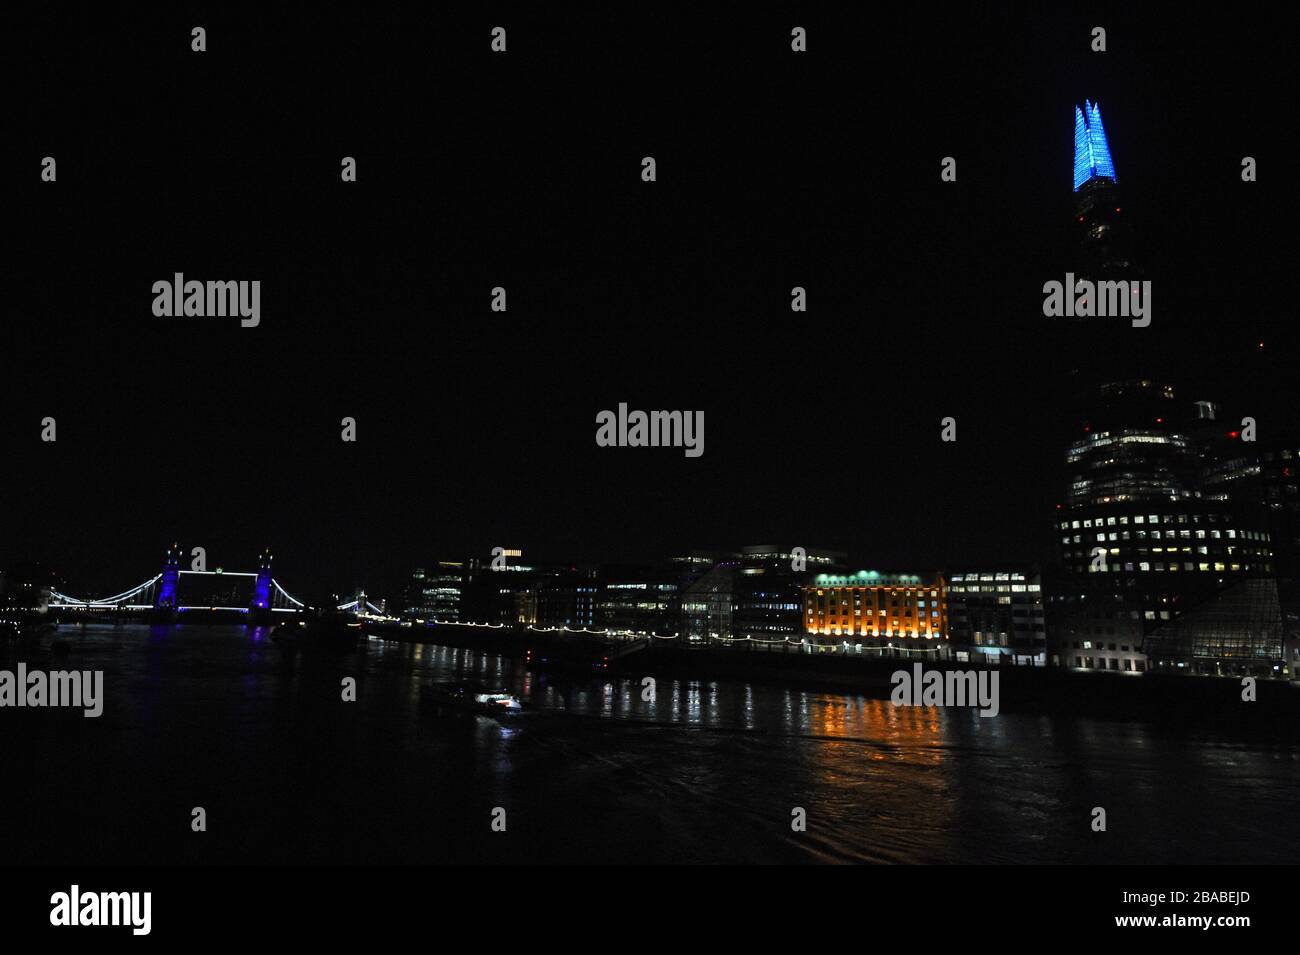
(1141, 543)
(642, 598)
(707, 610)
(878, 611)
(437, 591)
(997, 616)
(25, 590)
(767, 590)
(1266, 472)
(504, 589)
(568, 599)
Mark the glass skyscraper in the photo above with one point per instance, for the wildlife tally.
(1157, 572)
(1091, 150)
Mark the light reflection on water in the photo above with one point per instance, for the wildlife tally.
(707, 770)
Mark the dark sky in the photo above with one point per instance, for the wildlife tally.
(523, 170)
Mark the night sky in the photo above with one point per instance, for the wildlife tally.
(477, 429)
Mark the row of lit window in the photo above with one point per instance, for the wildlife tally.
(1129, 485)
(1159, 566)
(1141, 519)
(1174, 552)
(903, 604)
(843, 601)
(1126, 482)
(858, 613)
(893, 593)
(1130, 665)
(1172, 535)
(1205, 549)
(1001, 588)
(836, 631)
(1105, 614)
(1104, 439)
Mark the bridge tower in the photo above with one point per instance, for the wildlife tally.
(168, 598)
(171, 576)
(261, 606)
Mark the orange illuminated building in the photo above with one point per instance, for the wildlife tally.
(873, 608)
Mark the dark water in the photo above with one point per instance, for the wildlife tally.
(226, 719)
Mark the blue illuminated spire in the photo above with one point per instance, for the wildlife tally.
(1091, 151)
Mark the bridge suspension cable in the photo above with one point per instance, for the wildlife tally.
(288, 596)
(115, 601)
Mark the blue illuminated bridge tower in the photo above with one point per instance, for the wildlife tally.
(1100, 221)
(260, 608)
(166, 599)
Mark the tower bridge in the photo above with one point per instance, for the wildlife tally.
(198, 592)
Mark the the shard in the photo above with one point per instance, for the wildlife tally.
(1091, 151)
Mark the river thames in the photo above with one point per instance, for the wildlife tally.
(257, 734)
